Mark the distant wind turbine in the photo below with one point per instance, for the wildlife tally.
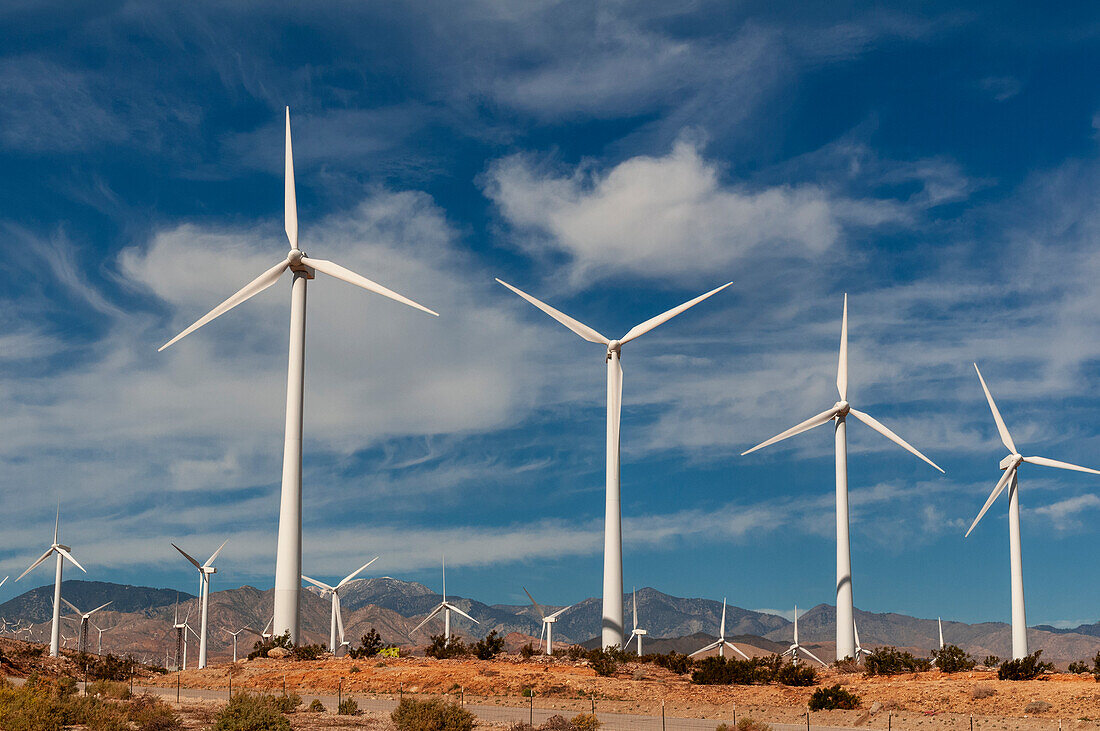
(206, 570)
(101, 630)
(83, 620)
(613, 622)
(860, 652)
(1010, 465)
(838, 413)
(242, 629)
(795, 648)
(288, 562)
(337, 621)
(638, 632)
(62, 552)
(547, 622)
(721, 644)
(446, 607)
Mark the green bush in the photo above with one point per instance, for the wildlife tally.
(1026, 668)
(603, 662)
(108, 667)
(45, 704)
(316, 706)
(828, 699)
(751, 724)
(796, 675)
(109, 689)
(309, 652)
(1079, 667)
(576, 652)
(953, 659)
(1096, 667)
(262, 646)
(370, 645)
(431, 715)
(527, 651)
(991, 661)
(757, 671)
(442, 649)
(674, 661)
(348, 707)
(285, 703)
(891, 661)
(250, 712)
(489, 646)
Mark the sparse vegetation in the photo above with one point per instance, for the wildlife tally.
(309, 652)
(745, 724)
(1026, 668)
(831, 698)
(891, 661)
(1079, 667)
(250, 712)
(370, 645)
(431, 715)
(604, 662)
(262, 646)
(674, 661)
(109, 689)
(982, 691)
(757, 671)
(49, 704)
(284, 703)
(953, 659)
(442, 649)
(489, 646)
(348, 707)
(991, 661)
(584, 722)
(527, 651)
(316, 706)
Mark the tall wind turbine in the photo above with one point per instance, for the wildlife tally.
(638, 632)
(63, 552)
(612, 623)
(288, 560)
(83, 620)
(796, 648)
(205, 571)
(1010, 465)
(838, 413)
(721, 644)
(337, 621)
(446, 607)
(547, 622)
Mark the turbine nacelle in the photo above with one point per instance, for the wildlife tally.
(615, 346)
(1011, 461)
(842, 408)
(295, 257)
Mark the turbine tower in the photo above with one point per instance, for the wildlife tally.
(337, 621)
(639, 633)
(795, 648)
(83, 620)
(1010, 465)
(939, 621)
(612, 623)
(63, 552)
(288, 560)
(721, 644)
(206, 570)
(547, 622)
(446, 607)
(838, 413)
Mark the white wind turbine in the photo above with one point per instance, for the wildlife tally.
(795, 648)
(205, 571)
(838, 413)
(99, 642)
(939, 621)
(82, 618)
(62, 552)
(612, 622)
(288, 561)
(446, 607)
(337, 621)
(181, 635)
(860, 652)
(242, 629)
(1010, 465)
(639, 633)
(722, 643)
(547, 622)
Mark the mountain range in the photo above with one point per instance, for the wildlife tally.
(139, 621)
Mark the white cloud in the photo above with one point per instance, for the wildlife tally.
(1065, 514)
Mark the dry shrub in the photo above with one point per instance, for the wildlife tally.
(249, 712)
(431, 715)
(982, 691)
(585, 722)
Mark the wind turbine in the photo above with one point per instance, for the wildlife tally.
(859, 648)
(547, 622)
(288, 561)
(83, 619)
(1010, 465)
(637, 632)
(181, 635)
(242, 629)
(721, 644)
(795, 648)
(99, 643)
(612, 623)
(337, 621)
(838, 413)
(62, 552)
(205, 571)
(445, 607)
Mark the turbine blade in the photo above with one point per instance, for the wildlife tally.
(453, 608)
(339, 618)
(35, 565)
(877, 426)
(1006, 438)
(4, 580)
(335, 270)
(1061, 465)
(642, 329)
(560, 612)
(1005, 478)
(536, 604)
(736, 649)
(318, 584)
(290, 200)
(722, 634)
(842, 364)
(187, 556)
(542, 634)
(101, 606)
(253, 288)
(433, 613)
(578, 327)
(57, 521)
(815, 657)
(72, 606)
(355, 573)
(709, 647)
(634, 599)
(69, 556)
(615, 401)
(214, 555)
(810, 423)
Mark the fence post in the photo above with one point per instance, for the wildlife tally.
(971, 722)
(400, 692)
(339, 693)
(889, 720)
(735, 715)
(230, 685)
(531, 709)
(663, 715)
(177, 685)
(807, 718)
(593, 705)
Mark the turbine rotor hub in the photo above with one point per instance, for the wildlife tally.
(843, 407)
(614, 347)
(295, 257)
(1011, 461)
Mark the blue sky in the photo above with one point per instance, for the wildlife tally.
(614, 159)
